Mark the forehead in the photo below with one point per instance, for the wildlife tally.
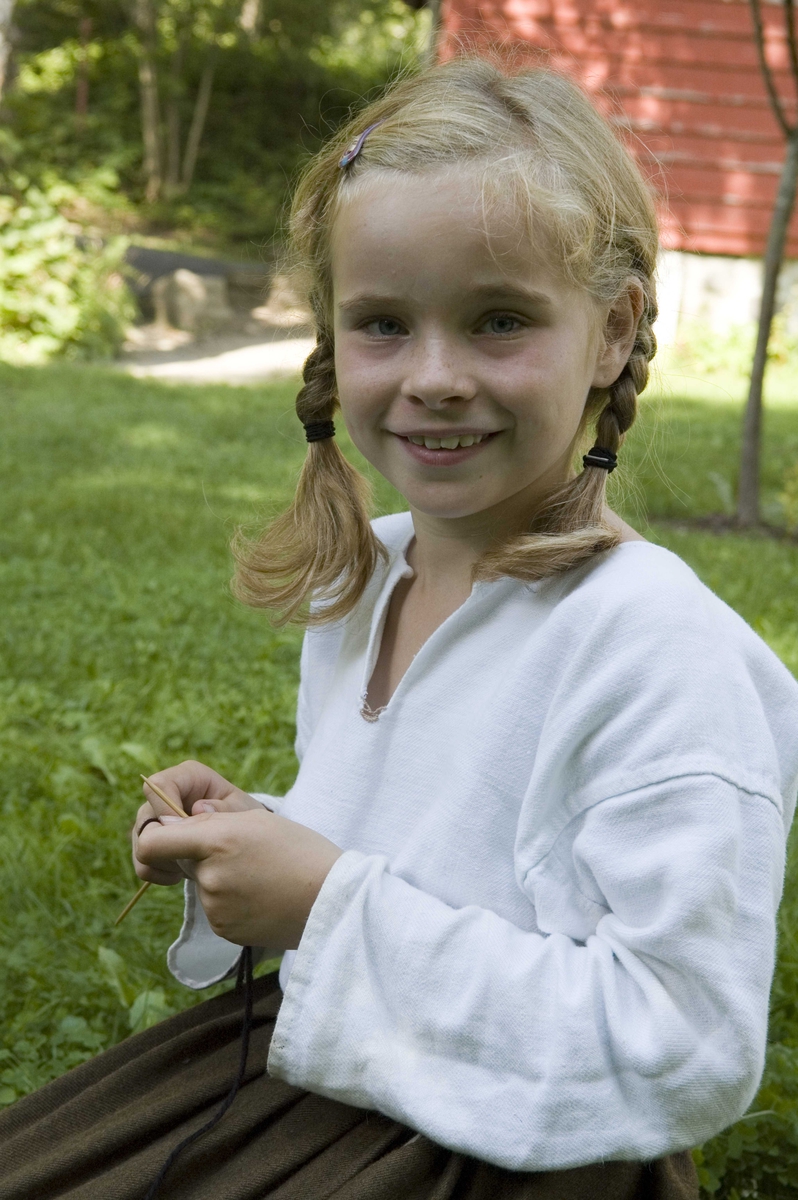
(433, 230)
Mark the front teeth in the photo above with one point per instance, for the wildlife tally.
(450, 443)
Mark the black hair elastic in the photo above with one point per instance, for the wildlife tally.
(599, 456)
(319, 431)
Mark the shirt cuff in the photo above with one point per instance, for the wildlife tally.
(288, 1050)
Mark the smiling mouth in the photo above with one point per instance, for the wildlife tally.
(448, 443)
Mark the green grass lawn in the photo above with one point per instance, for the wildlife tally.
(122, 651)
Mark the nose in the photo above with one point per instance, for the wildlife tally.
(436, 374)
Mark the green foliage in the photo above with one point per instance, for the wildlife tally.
(789, 498)
(57, 294)
(702, 349)
(286, 72)
(143, 1008)
(698, 390)
(121, 651)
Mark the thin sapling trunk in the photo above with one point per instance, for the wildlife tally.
(748, 487)
(748, 491)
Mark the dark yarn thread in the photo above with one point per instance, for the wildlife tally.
(144, 824)
(243, 981)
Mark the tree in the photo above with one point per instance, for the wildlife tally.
(223, 100)
(748, 489)
(6, 13)
(145, 19)
(169, 34)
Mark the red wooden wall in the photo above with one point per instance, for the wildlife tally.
(681, 79)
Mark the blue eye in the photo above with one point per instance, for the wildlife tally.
(384, 327)
(502, 323)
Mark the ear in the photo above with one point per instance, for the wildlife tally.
(618, 334)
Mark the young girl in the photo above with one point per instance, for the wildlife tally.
(528, 874)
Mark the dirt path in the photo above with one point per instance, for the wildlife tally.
(234, 359)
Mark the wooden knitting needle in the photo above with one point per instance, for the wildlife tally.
(175, 809)
(163, 796)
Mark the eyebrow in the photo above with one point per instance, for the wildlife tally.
(484, 292)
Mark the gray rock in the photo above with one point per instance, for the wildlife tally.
(197, 303)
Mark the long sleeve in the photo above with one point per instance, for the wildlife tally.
(541, 1051)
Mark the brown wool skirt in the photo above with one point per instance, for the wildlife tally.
(103, 1131)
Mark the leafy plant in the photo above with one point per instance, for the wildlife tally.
(59, 294)
(240, 94)
(789, 498)
(143, 1008)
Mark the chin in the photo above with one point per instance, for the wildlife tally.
(446, 512)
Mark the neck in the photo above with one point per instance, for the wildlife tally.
(443, 553)
(446, 549)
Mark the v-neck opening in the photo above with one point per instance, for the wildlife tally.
(399, 568)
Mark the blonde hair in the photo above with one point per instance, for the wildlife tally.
(536, 138)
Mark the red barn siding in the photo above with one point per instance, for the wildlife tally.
(682, 80)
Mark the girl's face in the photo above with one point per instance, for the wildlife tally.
(463, 359)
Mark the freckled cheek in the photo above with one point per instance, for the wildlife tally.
(549, 393)
(365, 396)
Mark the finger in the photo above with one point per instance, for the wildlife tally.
(191, 781)
(207, 806)
(160, 875)
(191, 838)
(162, 872)
(234, 801)
(144, 813)
(165, 873)
(169, 788)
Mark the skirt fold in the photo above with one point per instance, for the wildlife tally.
(104, 1130)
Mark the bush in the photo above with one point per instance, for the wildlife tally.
(61, 292)
(789, 498)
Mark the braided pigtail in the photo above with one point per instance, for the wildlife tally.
(323, 544)
(572, 526)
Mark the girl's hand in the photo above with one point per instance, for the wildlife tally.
(257, 874)
(195, 788)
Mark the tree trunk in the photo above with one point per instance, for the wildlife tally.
(150, 108)
(172, 181)
(198, 122)
(82, 84)
(748, 491)
(6, 13)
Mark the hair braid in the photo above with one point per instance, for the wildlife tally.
(317, 400)
(324, 542)
(618, 415)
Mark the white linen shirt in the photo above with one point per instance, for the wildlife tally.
(551, 937)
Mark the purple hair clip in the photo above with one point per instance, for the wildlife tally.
(352, 152)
